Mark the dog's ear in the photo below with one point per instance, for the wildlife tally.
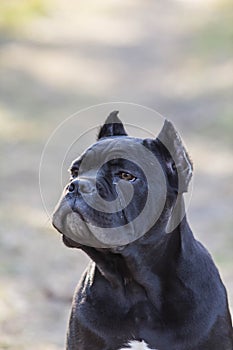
(172, 141)
(112, 127)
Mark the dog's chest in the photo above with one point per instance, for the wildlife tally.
(136, 345)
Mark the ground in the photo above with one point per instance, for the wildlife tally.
(173, 56)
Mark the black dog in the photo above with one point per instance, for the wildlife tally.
(151, 285)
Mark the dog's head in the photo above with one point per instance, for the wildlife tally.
(121, 186)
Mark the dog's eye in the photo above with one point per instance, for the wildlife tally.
(126, 176)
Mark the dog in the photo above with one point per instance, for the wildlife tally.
(150, 284)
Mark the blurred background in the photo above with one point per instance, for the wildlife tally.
(57, 57)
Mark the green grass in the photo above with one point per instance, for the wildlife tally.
(219, 129)
(15, 13)
(216, 36)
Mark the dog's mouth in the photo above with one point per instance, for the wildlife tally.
(69, 242)
(72, 225)
(66, 240)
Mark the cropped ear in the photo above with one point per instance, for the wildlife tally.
(172, 141)
(112, 127)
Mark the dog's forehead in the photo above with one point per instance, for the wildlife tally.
(111, 147)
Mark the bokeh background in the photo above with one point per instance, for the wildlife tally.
(59, 56)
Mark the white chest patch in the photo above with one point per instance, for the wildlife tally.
(138, 345)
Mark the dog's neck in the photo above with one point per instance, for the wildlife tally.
(132, 263)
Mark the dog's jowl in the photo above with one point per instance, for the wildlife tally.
(150, 284)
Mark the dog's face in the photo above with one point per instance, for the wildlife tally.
(120, 187)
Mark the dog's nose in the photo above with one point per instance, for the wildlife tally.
(81, 185)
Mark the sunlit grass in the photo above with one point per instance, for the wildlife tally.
(14, 13)
(26, 130)
(220, 129)
(216, 35)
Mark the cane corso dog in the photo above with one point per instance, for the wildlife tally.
(150, 283)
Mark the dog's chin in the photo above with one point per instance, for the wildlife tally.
(70, 243)
(76, 232)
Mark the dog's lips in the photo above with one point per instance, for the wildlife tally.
(62, 211)
(71, 224)
(57, 228)
(69, 242)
